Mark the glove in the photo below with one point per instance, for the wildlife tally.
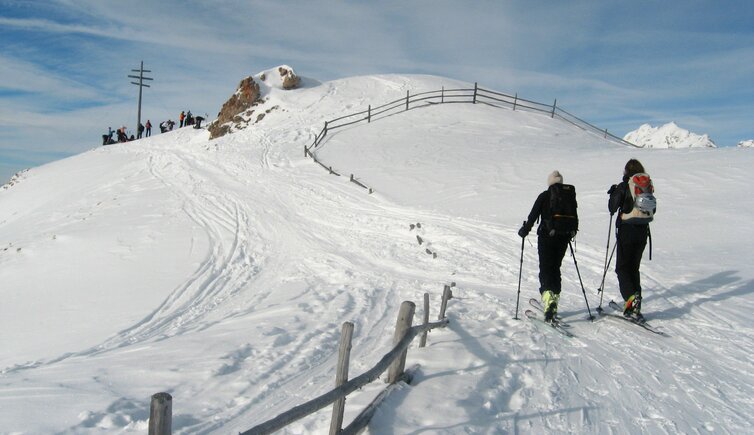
(523, 232)
(612, 189)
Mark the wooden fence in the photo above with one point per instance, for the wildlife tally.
(474, 95)
(394, 362)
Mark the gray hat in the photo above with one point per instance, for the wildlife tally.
(554, 177)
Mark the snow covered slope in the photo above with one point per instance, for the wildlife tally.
(669, 135)
(221, 272)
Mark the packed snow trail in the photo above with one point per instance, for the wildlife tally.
(221, 271)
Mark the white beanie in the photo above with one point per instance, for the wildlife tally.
(553, 178)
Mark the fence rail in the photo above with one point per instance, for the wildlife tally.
(393, 362)
(475, 95)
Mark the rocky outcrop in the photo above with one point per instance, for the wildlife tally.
(15, 179)
(254, 98)
(246, 96)
(289, 78)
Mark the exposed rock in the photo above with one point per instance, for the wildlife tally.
(254, 94)
(15, 179)
(290, 79)
(246, 95)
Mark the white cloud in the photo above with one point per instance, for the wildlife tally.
(22, 76)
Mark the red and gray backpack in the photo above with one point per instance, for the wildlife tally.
(645, 203)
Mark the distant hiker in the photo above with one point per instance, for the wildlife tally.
(633, 199)
(163, 127)
(107, 139)
(181, 117)
(198, 121)
(122, 135)
(139, 130)
(170, 124)
(556, 207)
(149, 129)
(131, 138)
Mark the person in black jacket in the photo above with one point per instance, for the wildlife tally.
(551, 249)
(631, 241)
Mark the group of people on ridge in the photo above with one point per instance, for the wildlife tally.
(633, 201)
(140, 130)
(121, 136)
(186, 119)
(145, 130)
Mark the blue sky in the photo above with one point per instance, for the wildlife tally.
(617, 64)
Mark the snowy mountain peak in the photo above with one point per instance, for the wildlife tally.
(746, 143)
(669, 135)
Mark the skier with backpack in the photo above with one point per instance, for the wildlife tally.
(634, 202)
(556, 210)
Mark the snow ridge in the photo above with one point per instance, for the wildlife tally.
(221, 272)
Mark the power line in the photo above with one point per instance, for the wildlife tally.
(141, 85)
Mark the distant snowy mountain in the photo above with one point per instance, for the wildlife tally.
(669, 135)
(746, 143)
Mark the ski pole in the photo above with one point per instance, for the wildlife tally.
(601, 290)
(580, 282)
(520, 269)
(607, 262)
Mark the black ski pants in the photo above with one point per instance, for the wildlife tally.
(551, 251)
(632, 239)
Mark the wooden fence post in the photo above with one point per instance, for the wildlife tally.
(442, 95)
(553, 108)
(605, 133)
(161, 414)
(344, 356)
(475, 89)
(406, 100)
(446, 295)
(515, 100)
(405, 317)
(369, 114)
(423, 339)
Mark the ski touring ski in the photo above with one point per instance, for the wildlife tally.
(538, 306)
(555, 325)
(638, 322)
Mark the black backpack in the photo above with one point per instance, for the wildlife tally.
(564, 218)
